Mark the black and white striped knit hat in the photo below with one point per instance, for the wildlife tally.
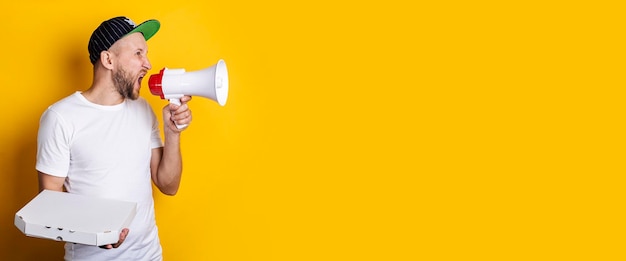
(114, 29)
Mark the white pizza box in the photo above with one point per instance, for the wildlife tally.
(75, 218)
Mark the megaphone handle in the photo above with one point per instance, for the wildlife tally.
(177, 102)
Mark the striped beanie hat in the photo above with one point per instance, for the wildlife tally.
(114, 29)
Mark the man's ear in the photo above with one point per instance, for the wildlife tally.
(106, 58)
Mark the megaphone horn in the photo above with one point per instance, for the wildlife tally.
(173, 84)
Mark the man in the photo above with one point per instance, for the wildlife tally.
(105, 141)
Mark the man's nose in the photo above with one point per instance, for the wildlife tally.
(147, 64)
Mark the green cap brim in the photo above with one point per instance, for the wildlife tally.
(147, 28)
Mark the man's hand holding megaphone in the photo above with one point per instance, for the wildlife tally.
(176, 84)
(177, 116)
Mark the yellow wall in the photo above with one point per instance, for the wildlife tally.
(463, 130)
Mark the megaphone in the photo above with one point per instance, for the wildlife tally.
(173, 84)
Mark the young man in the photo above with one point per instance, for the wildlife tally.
(105, 141)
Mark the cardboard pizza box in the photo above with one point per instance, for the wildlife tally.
(75, 218)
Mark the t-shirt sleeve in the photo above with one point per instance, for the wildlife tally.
(53, 145)
(155, 136)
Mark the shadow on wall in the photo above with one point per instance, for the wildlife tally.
(19, 163)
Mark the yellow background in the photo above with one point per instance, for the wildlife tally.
(357, 130)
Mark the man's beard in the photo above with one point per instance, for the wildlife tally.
(125, 83)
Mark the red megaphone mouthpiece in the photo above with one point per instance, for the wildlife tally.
(156, 88)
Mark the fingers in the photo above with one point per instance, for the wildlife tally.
(182, 101)
(185, 99)
(178, 114)
(123, 235)
(178, 108)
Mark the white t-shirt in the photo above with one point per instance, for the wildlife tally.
(104, 151)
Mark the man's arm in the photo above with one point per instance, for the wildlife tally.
(166, 168)
(166, 164)
(50, 182)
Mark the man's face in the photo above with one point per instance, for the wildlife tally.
(131, 64)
